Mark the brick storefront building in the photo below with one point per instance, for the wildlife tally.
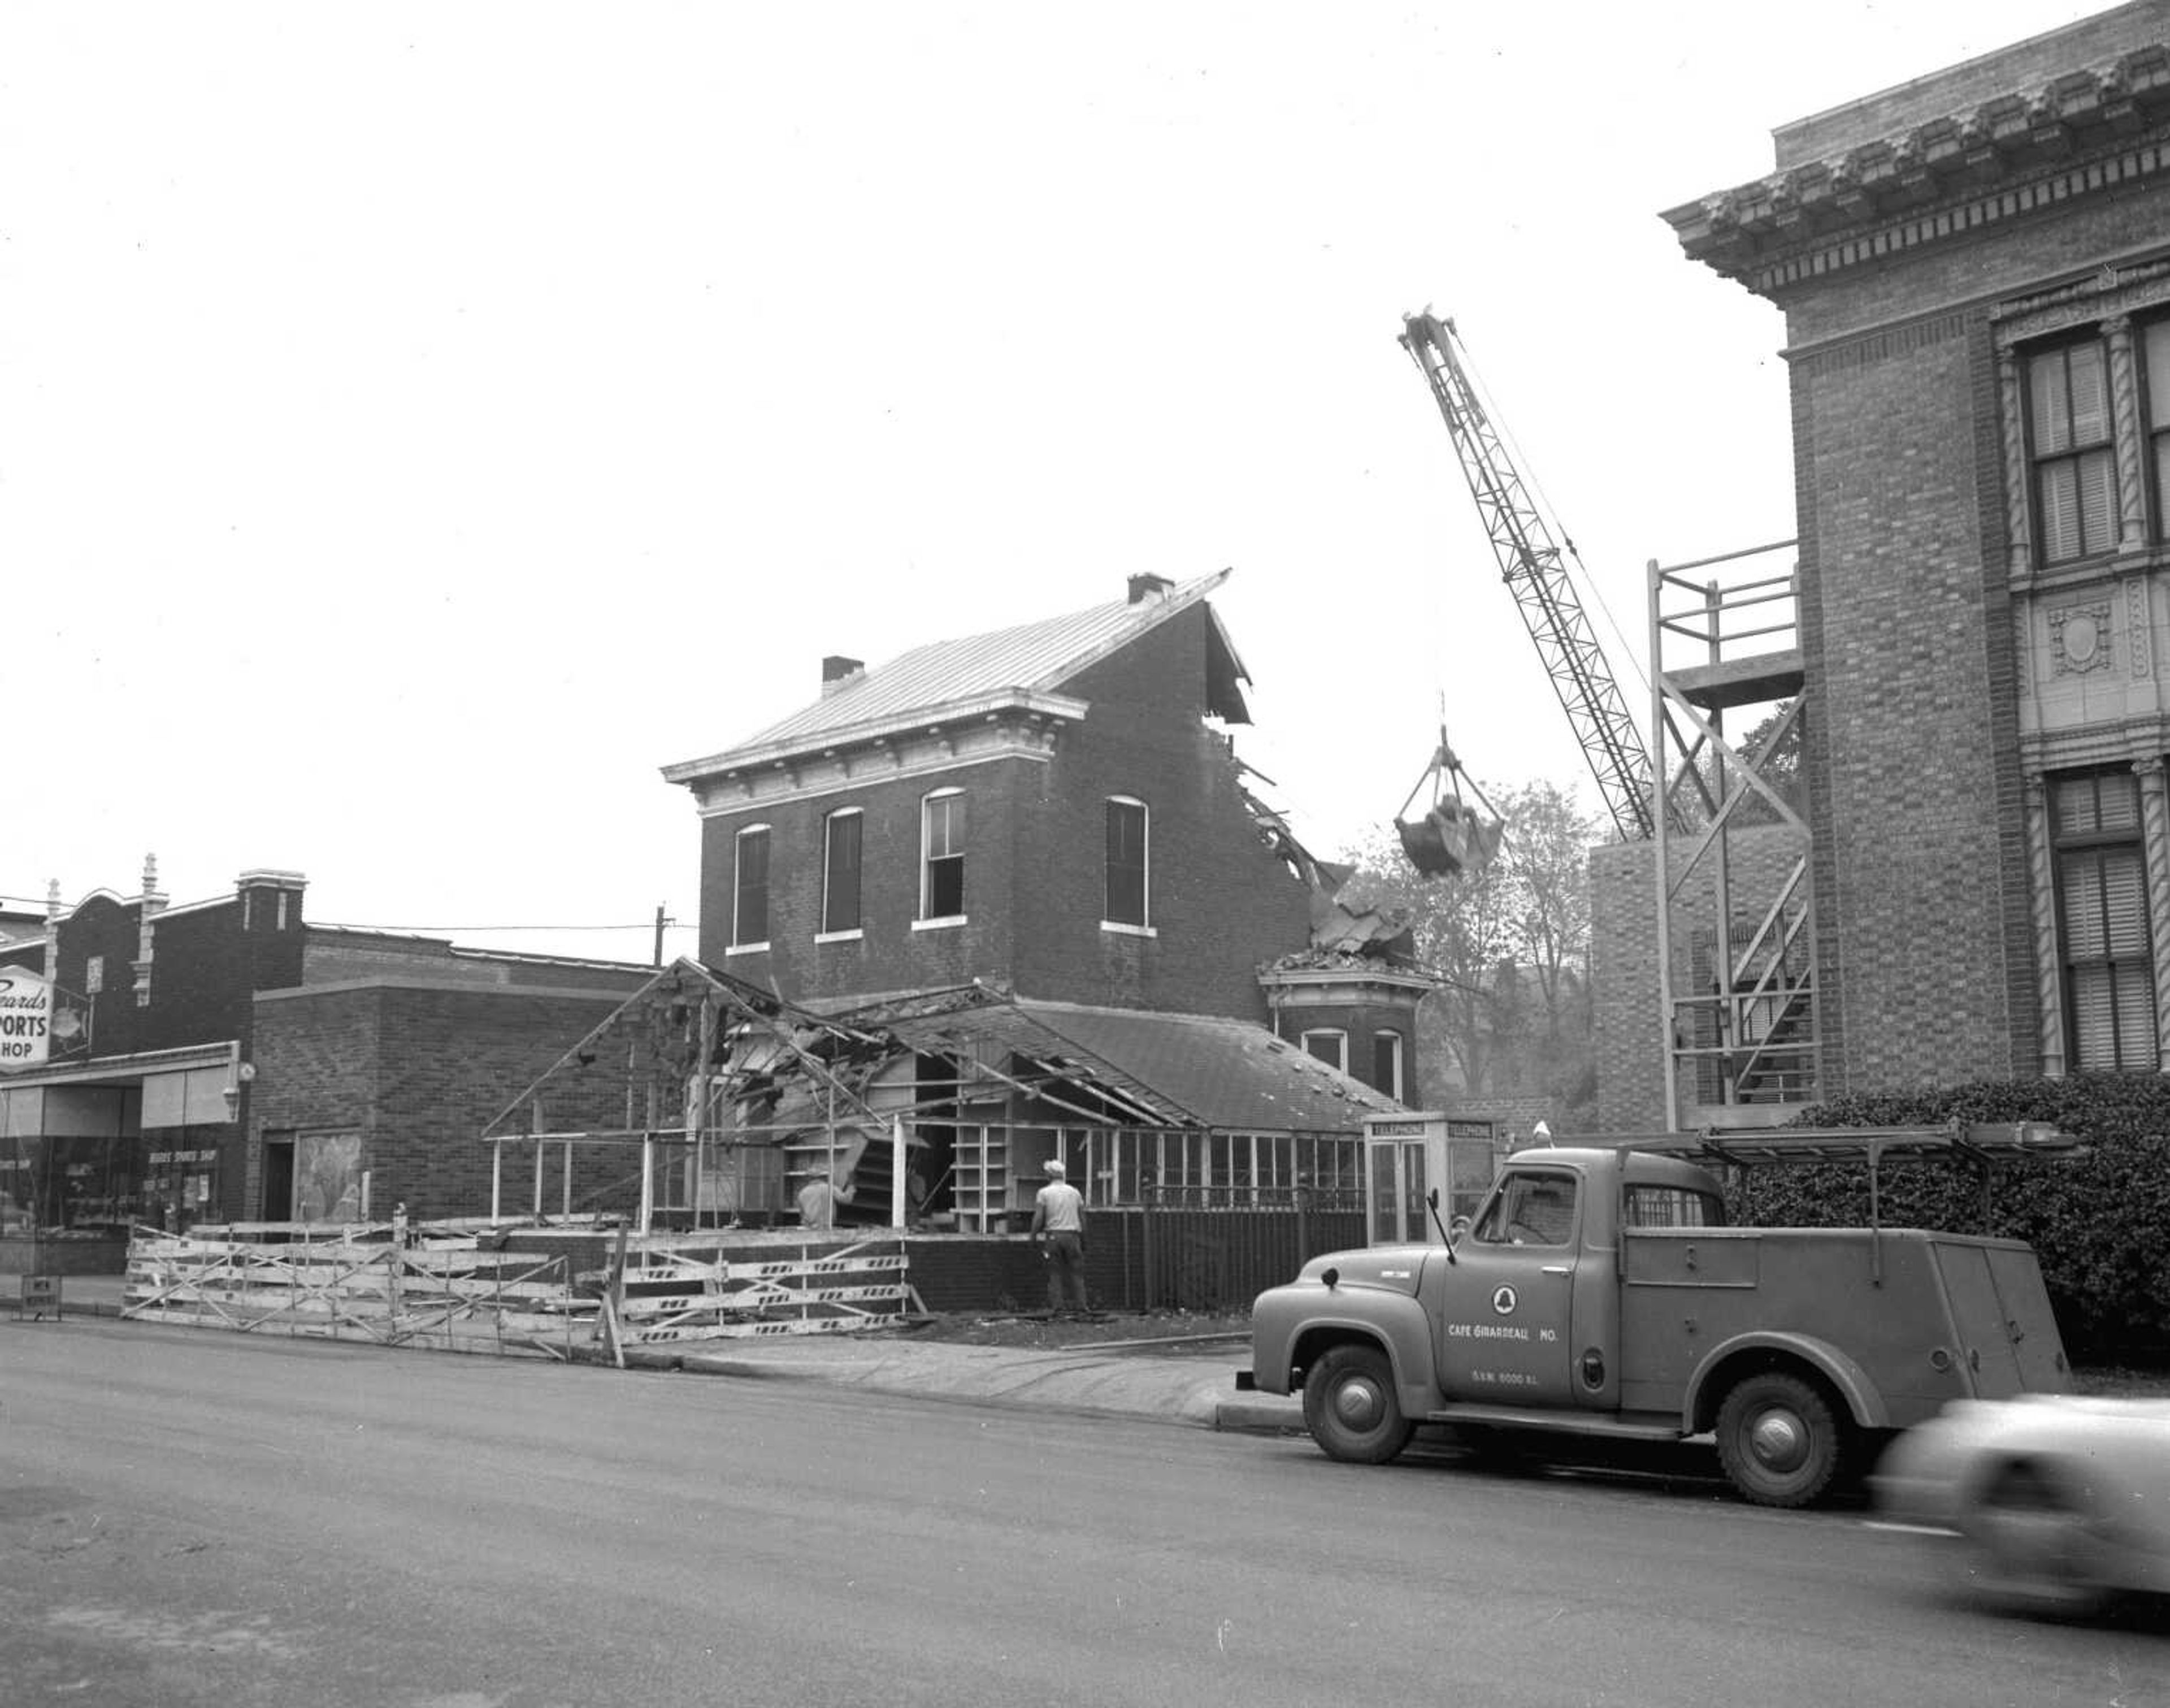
(1974, 272)
(226, 1060)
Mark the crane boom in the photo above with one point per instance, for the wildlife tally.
(1534, 570)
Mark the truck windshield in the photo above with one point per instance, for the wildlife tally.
(1530, 1209)
(1673, 1206)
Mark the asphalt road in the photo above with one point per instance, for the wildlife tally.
(190, 1518)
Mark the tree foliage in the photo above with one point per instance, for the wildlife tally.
(1510, 946)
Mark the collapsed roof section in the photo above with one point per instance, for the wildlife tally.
(696, 1052)
(1340, 935)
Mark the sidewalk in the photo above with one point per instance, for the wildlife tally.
(1194, 1388)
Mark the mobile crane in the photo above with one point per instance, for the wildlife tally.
(1534, 567)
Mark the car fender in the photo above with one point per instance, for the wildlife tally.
(1393, 1321)
(1861, 1397)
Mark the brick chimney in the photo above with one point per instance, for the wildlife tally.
(1145, 588)
(837, 671)
(270, 900)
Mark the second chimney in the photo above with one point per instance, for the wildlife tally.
(837, 671)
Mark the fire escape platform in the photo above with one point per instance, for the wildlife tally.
(1739, 682)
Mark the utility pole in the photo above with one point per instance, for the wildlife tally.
(661, 920)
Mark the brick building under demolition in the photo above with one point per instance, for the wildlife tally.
(1969, 875)
(226, 1061)
(1037, 844)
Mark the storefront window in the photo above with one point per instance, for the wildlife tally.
(328, 1177)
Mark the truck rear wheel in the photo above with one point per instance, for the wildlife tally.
(1778, 1440)
(1350, 1407)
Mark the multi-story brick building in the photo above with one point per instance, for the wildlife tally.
(1974, 272)
(1050, 808)
(1055, 810)
(226, 1060)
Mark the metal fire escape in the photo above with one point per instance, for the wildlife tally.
(1735, 913)
(1534, 567)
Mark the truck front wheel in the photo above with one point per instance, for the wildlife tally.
(1350, 1407)
(1778, 1440)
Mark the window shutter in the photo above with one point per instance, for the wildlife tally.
(2045, 386)
(2090, 396)
(2124, 903)
(2136, 1017)
(2097, 502)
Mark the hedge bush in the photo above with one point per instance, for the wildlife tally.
(2099, 1222)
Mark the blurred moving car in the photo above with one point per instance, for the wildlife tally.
(2053, 1502)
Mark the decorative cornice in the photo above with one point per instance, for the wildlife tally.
(2080, 134)
(2108, 293)
(1340, 984)
(878, 734)
(930, 753)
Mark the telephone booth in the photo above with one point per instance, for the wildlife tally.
(1407, 1156)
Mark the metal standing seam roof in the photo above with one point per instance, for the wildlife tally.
(1033, 656)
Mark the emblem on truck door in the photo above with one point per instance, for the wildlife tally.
(1503, 1300)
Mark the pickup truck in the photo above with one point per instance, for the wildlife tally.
(1598, 1292)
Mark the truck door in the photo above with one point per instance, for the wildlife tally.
(1503, 1327)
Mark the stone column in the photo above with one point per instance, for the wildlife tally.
(2049, 969)
(2127, 435)
(2154, 839)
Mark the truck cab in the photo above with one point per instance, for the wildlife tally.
(1600, 1292)
(1524, 1314)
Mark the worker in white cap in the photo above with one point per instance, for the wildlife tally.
(1059, 1214)
(1542, 1134)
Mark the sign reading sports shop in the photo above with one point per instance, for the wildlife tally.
(26, 1018)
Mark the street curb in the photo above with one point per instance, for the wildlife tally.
(1253, 1418)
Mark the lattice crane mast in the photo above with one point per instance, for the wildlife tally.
(1534, 570)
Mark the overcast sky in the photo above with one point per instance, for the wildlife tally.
(420, 423)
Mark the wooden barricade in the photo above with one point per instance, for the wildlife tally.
(400, 1287)
(682, 1293)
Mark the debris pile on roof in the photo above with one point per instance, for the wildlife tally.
(1338, 932)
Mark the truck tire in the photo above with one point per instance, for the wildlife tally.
(1350, 1407)
(1778, 1440)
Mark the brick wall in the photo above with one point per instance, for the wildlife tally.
(889, 954)
(420, 1072)
(1363, 1022)
(205, 965)
(1627, 1030)
(1219, 902)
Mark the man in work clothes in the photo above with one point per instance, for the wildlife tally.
(1058, 1213)
(818, 1199)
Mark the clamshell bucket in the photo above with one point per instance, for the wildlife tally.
(1453, 838)
(1449, 840)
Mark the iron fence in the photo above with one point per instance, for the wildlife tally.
(1210, 1249)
